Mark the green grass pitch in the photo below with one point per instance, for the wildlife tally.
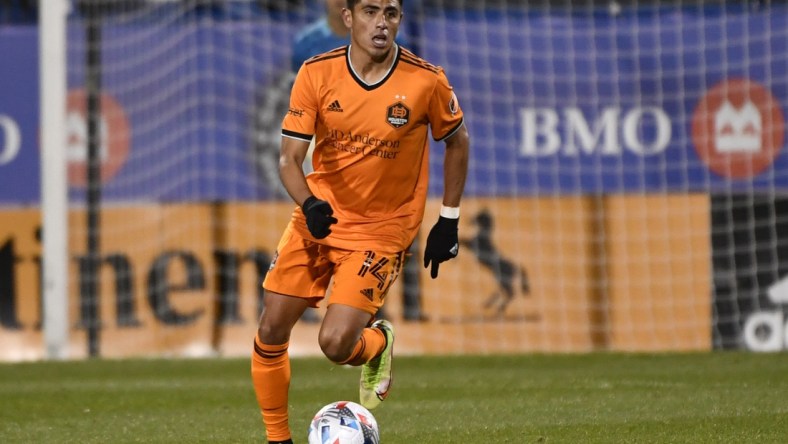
(723, 397)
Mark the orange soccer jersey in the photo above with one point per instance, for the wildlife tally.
(371, 148)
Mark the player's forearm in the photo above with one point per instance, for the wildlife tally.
(292, 176)
(294, 182)
(455, 167)
(291, 173)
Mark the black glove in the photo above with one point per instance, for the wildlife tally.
(442, 244)
(318, 216)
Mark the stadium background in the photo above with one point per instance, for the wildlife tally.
(599, 154)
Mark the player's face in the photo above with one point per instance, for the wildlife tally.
(374, 25)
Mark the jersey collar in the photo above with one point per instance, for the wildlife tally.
(371, 86)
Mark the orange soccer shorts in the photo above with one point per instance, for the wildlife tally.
(303, 268)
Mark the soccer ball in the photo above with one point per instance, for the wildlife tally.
(343, 422)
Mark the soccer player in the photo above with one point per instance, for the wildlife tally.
(371, 106)
(322, 35)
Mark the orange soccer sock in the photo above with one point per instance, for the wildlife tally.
(271, 380)
(370, 344)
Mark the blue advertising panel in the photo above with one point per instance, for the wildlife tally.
(19, 155)
(568, 103)
(188, 94)
(662, 100)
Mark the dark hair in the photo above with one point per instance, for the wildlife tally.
(351, 3)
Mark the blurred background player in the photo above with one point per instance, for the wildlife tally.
(322, 35)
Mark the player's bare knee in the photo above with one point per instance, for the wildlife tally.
(335, 349)
(271, 334)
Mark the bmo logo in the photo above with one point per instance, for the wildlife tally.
(643, 131)
(113, 138)
(10, 140)
(738, 129)
(767, 331)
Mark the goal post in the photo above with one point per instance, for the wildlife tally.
(54, 186)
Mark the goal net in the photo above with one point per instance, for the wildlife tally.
(625, 189)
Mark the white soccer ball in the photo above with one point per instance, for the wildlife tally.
(343, 422)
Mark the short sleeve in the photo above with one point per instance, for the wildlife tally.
(445, 114)
(299, 122)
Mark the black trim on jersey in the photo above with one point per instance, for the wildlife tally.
(295, 135)
(334, 53)
(412, 59)
(420, 65)
(453, 130)
(408, 53)
(374, 85)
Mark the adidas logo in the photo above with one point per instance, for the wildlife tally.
(335, 106)
(368, 293)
